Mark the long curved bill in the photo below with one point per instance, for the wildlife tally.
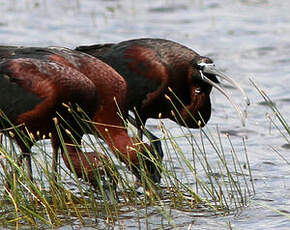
(210, 69)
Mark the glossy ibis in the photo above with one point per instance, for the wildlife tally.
(154, 69)
(35, 83)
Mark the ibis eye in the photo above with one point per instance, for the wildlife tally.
(197, 90)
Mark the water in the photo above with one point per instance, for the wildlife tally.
(247, 39)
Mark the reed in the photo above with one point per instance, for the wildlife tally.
(281, 125)
(208, 177)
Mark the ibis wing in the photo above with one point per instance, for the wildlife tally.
(36, 88)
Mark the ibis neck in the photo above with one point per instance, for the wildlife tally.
(85, 165)
(197, 113)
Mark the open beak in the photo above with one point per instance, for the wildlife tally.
(209, 68)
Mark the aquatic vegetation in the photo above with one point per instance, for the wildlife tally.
(280, 123)
(205, 176)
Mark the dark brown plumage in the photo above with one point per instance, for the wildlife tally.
(154, 68)
(36, 82)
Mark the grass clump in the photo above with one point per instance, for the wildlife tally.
(208, 177)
